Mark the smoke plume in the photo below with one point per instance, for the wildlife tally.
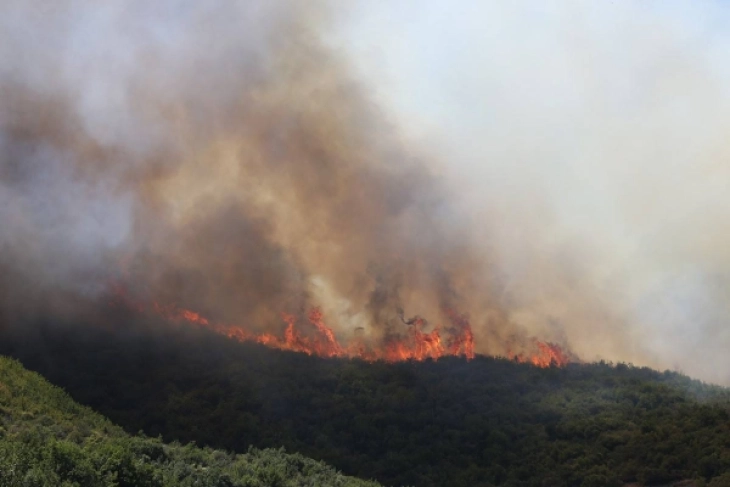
(551, 171)
(222, 158)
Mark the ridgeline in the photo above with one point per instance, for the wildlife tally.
(452, 422)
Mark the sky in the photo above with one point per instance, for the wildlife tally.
(588, 141)
(551, 169)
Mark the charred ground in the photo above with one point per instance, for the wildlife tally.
(449, 422)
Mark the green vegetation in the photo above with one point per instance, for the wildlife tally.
(46, 439)
(447, 423)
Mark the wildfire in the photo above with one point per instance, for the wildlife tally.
(314, 337)
(543, 355)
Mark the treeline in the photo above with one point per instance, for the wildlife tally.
(447, 423)
(47, 440)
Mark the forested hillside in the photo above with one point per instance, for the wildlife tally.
(46, 439)
(447, 423)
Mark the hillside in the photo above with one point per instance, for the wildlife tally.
(46, 439)
(446, 423)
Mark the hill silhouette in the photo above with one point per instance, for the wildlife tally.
(450, 422)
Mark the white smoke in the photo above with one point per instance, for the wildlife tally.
(589, 142)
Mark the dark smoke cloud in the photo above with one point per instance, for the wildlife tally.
(218, 156)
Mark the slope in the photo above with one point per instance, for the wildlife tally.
(47, 439)
(447, 423)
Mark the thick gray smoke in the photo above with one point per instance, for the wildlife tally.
(588, 141)
(220, 157)
(247, 158)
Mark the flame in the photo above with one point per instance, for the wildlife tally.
(543, 355)
(314, 337)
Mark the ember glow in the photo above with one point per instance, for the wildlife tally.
(312, 336)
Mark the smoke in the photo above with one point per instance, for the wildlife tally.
(553, 171)
(220, 157)
(588, 144)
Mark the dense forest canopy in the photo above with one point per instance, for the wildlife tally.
(46, 439)
(450, 422)
(409, 203)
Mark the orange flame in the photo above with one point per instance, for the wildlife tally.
(544, 355)
(320, 340)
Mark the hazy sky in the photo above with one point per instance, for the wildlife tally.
(589, 140)
(218, 155)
